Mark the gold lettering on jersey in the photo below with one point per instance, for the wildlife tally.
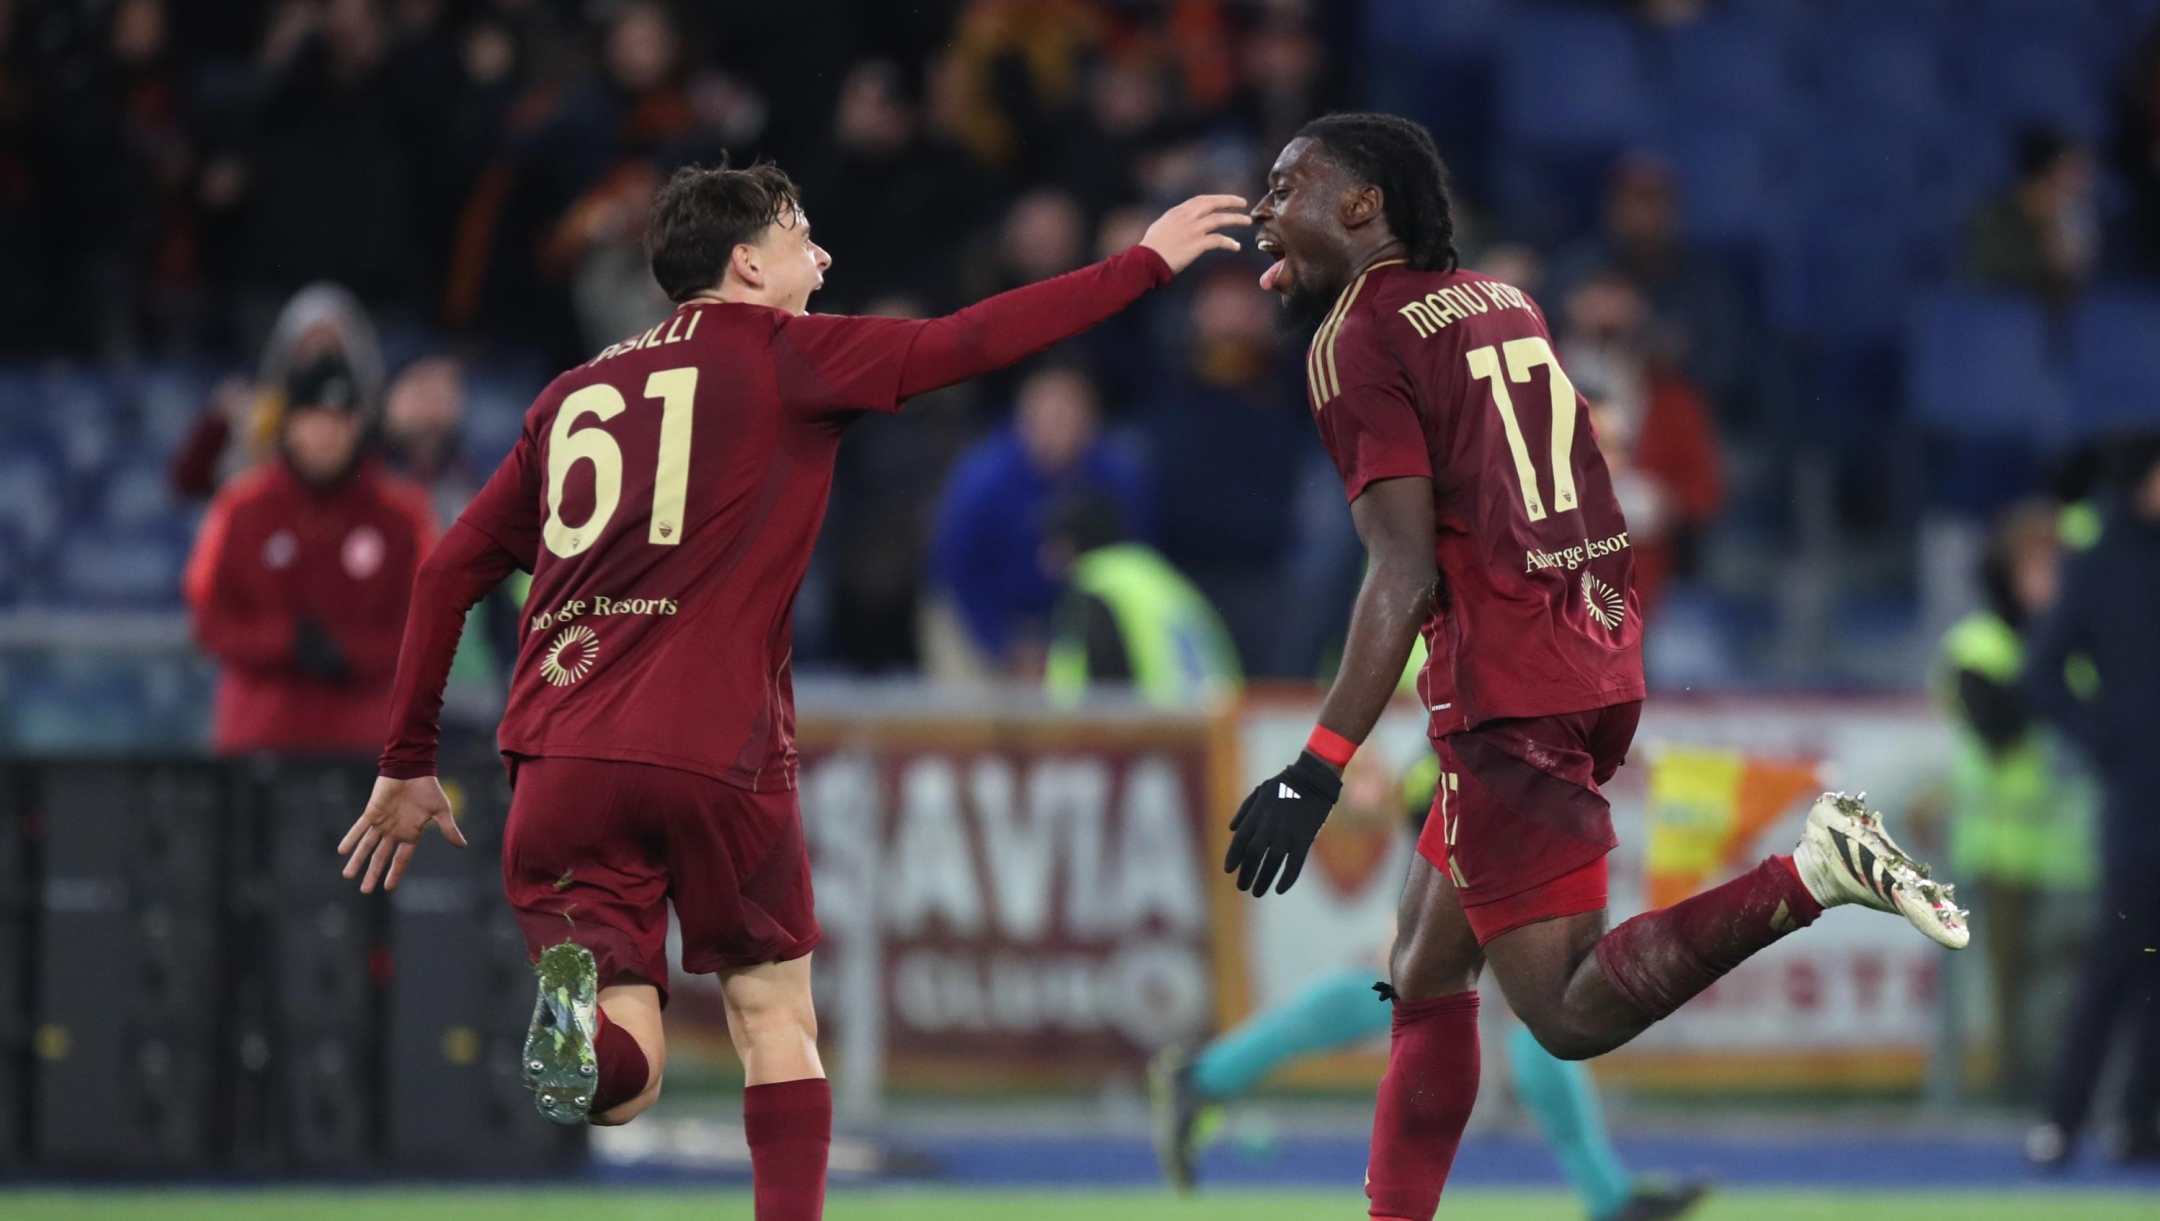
(1575, 557)
(575, 608)
(671, 331)
(1456, 302)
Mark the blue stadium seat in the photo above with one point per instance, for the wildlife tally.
(1851, 159)
(96, 569)
(1734, 185)
(167, 403)
(495, 409)
(1572, 78)
(1730, 68)
(137, 495)
(1888, 69)
(18, 399)
(2023, 73)
(1422, 28)
(13, 580)
(1844, 283)
(2115, 363)
(1977, 367)
(30, 501)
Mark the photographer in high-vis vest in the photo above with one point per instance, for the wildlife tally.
(1126, 616)
(2021, 820)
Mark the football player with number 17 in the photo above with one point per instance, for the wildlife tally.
(665, 496)
(1491, 528)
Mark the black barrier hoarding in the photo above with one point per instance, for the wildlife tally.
(15, 911)
(458, 1011)
(128, 963)
(188, 983)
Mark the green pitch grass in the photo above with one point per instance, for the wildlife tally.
(688, 1204)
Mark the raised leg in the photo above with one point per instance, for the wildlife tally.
(1584, 991)
(632, 1053)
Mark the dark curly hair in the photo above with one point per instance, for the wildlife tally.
(1398, 156)
(704, 212)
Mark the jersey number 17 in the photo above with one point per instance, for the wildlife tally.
(1522, 356)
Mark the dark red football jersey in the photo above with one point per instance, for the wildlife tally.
(1452, 375)
(666, 495)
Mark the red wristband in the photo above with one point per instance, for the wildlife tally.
(1331, 746)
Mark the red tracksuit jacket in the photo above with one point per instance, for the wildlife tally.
(274, 551)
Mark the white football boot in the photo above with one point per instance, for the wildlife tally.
(1845, 856)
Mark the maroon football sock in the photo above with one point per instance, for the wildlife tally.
(1425, 1099)
(623, 1067)
(790, 1129)
(1660, 959)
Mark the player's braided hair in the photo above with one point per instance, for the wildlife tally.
(1398, 156)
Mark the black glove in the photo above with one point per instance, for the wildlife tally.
(1275, 827)
(317, 654)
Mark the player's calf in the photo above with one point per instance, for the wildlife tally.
(1660, 959)
(787, 1107)
(632, 1052)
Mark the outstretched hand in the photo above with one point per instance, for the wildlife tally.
(1194, 227)
(1275, 828)
(384, 838)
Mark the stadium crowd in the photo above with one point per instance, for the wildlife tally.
(476, 171)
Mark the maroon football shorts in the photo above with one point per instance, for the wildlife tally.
(1518, 821)
(596, 849)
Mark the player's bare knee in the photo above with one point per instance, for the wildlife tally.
(767, 1023)
(1420, 970)
(1563, 1039)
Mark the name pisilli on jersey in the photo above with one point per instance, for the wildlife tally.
(666, 496)
(1451, 375)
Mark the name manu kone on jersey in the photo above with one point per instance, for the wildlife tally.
(1453, 303)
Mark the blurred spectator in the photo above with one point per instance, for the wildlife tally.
(884, 502)
(1514, 263)
(423, 438)
(124, 164)
(1124, 122)
(1698, 312)
(1227, 430)
(2040, 236)
(895, 201)
(1044, 234)
(599, 245)
(1286, 76)
(986, 557)
(1126, 616)
(320, 320)
(300, 578)
(2104, 612)
(1013, 66)
(323, 181)
(2137, 153)
(423, 417)
(2020, 830)
(1657, 435)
